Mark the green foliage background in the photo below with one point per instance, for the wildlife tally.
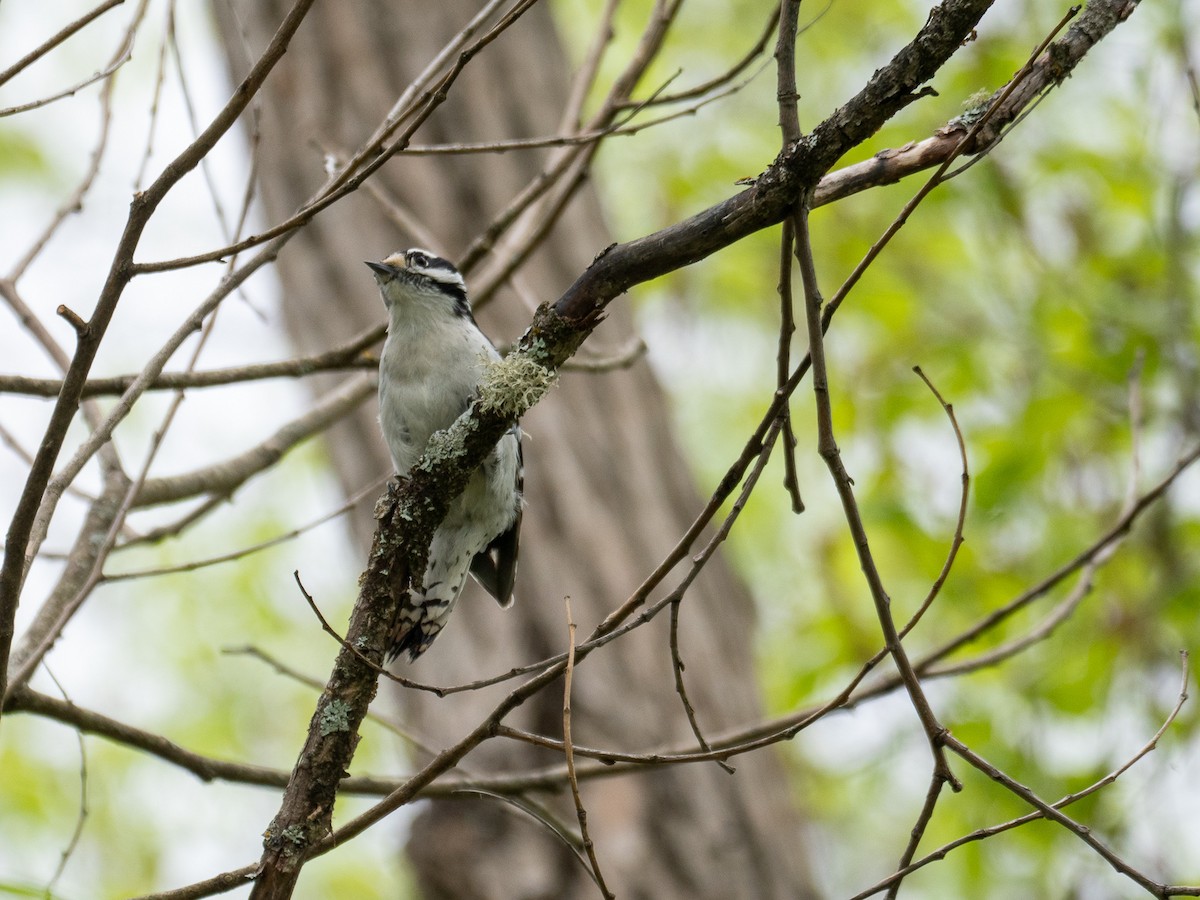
(1031, 290)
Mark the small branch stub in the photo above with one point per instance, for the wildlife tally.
(76, 321)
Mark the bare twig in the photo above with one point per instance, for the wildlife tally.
(89, 722)
(350, 355)
(963, 142)
(67, 91)
(209, 887)
(621, 358)
(787, 97)
(787, 328)
(308, 681)
(585, 75)
(290, 534)
(1050, 811)
(924, 817)
(82, 816)
(59, 37)
(221, 478)
(350, 648)
(1097, 549)
(747, 59)
(568, 672)
(828, 449)
(160, 79)
(935, 785)
(538, 208)
(941, 852)
(1087, 572)
(677, 666)
(964, 494)
(229, 474)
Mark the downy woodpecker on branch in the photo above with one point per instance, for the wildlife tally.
(429, 372)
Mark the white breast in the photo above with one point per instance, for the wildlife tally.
(429, 371)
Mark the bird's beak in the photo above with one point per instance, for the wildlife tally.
(382, 270)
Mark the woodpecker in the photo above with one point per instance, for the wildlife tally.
(429, 372)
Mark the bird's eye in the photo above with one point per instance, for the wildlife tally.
(418, 259)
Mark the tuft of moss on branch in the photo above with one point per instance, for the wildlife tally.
(513, 385)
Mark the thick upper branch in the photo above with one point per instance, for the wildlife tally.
(797, 168)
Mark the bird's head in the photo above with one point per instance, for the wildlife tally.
(419, 276)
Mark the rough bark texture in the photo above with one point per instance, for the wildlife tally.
(607, 490)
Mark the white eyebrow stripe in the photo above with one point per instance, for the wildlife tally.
(443, 276)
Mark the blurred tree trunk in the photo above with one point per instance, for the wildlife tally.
(607, 490)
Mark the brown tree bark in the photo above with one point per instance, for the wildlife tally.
(607, 490)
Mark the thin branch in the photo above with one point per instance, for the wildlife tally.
(935, 785)
(375, 667)
(677, 666)
(82, 816)
(545, 199)
(774, 194)
(206, 769)
(160, 79)
(67, 91)
(75, 201)
(225, 476)
(58, 38)
(1098, 548)
(289, 535)
(926, 665)
(585, 75)
(92, 414)
(201, 510)
(72, 586)
(350, 355)
(964, 494)
(580, 812)
(286, 671)
(1087, 572)
(1051, 812)
(787, 97)
(103, 431)
(941, 852)
(221, 478)
(787, 328)
(209, 887)
(963, 142)
(598, 363)
(542, 816)
(759, 47)
(924, 817)
(828, 449)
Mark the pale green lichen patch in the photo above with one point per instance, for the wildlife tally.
(447, 444)
(512, 385)
(335, 718)
(974, 107)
